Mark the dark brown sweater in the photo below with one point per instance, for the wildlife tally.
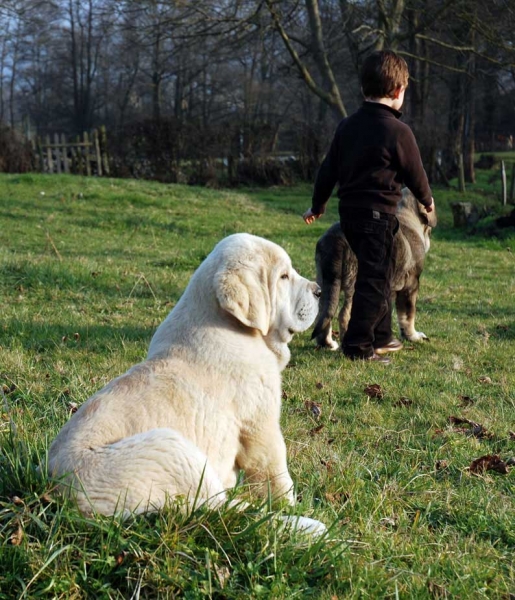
(372, 156)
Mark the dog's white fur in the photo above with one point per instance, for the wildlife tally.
(206, 401)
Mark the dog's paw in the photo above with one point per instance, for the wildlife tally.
(303, 525)
(328, 345)
(418, 336)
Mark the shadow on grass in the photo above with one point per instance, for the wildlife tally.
(46, 337)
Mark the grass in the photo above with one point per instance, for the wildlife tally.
(89, 267)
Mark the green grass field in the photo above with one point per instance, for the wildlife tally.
(89, 268)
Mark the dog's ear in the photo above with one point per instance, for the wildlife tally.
(243, 292)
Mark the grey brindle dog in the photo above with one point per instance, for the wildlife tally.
(336, 272)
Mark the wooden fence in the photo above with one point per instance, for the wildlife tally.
(86, 156)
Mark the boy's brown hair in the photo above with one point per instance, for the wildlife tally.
(382, 73)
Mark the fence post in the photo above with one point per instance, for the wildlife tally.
(103, 146)
(97, 152)
(512, 185)
(87, 154)
(503, 180)
(57, 154)
(80, 156)
(35, 151)
(39, 151)
(74, 159)
(50, 161)
(64, 146)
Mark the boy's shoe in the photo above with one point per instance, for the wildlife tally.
(372, 358)
(393, 346)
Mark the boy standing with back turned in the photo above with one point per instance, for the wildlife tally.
(371, 157)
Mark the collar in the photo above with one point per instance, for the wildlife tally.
(377, 106)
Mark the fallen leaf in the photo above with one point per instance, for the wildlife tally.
(17, 536)
(72, 407)
(485, 379)
(462, 421)
(315, 408)
(374, 391)
(466, 400)
(16, 500)
(319, 385)
(337, 497)
(328, 464)
(476, 429)
(76, 336)
(484, 333)
(436, 590)
(403, 401)
(388, 522)
(316, 430)
(441, 464)
(489, 462)
(120, 557)
(457, 363)
(223, 575)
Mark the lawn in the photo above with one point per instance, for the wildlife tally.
(89, 268)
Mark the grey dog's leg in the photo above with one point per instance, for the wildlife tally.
(344, 315)
(329, 279)
(406, 303)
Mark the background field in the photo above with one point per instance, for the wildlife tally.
(89, 267)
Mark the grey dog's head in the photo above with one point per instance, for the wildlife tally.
(409, 201)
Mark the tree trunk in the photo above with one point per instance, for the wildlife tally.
(2, 68)
(332, 97)
(470, 125)
(389, 22)
(320, 55)
(469, 145)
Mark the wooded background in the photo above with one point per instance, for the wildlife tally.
(213, 90)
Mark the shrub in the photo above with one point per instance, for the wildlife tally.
(16, 154)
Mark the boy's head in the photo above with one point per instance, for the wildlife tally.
(383, 73)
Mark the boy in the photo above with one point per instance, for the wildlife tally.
(371, 157)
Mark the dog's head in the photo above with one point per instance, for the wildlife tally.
(427, 219)
(256, 284)
(246, 282)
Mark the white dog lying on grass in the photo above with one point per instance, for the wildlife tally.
(205, 403)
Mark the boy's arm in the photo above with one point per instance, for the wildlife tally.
(326, 179)
(412, 169)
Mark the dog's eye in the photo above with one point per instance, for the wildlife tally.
(285, 276)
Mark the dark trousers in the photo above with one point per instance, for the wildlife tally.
(370, 235)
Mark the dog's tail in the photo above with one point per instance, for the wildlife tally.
(328, 259)
(140, 474)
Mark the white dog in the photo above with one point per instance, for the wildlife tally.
(206, 402)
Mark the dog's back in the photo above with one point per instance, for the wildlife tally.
(336, 268)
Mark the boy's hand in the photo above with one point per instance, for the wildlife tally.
(431, 206)
(310, 217)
